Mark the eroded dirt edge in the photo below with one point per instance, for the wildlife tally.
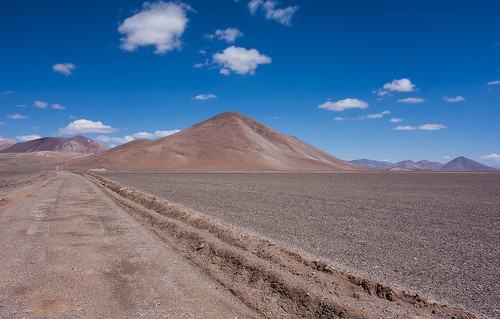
(269, 278)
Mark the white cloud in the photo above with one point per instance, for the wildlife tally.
(405, 128)
(204, 97)
(21, 105)
(40, 104)
(445, 157)
(86, 126)
(64, 68)
(283, 16)
(343, 105)
(200, 65)
(396, 120)
(17, 116)
(72, 116)
(7, 92)
(493, 156)
(412, 100)
(139, 135)
(160, 24)
(374, 116)
(25, 138)
(431, 127)
(401, 85)
(494, 82)
(240, 60)
(386, 112)
(1, 124)
(338, 118)
(229, 35)
(58, 107)
(454, 99)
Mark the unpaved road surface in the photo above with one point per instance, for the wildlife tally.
(436, 234)
(68, 251)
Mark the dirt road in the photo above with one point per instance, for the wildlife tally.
(68, 251)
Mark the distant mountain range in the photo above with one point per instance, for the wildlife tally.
(459, 164)
(76, 144)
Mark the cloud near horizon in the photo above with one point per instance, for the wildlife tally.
(85, 126)
(64, 68)
(139, 135)
(425, 127)
(58, 107)
(341, 105)
(229, 35)
(26, 138)
(240, 60)
(160, 24)
(493, 156)
(283, 16)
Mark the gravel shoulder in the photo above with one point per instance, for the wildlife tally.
(435, 234)
(68, 251)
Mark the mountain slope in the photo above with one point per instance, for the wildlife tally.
(228, 140)
(77, 144)
(464, 164)
(6, 143)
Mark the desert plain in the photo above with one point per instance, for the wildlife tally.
(249, 244)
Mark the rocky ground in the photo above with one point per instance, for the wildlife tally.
(435, 234)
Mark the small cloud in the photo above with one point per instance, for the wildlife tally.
(2, 123)
(240, 60)
(454, 99)
(204, 97)
(445, 157)
(413, 100)
(397, 85)
(25, 138)
(58, 107)
(493, 82)
(431, 127)
(405, 128)
(17, 116)
(160, 24)
(283, 16)
(7, 92)
(374, 116)
(493, 156)
(343, 105)
(338, 118)
(21, 105)
(200, 65)
(396, 120)
(72, 116)
(386, 112)
(40, 104)
(86, 126)
(64, 68)
(229, 35)
(272, 117)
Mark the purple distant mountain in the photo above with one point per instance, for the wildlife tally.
(459, 164)
(77, 144)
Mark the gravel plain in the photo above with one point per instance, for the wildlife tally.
(436, 234)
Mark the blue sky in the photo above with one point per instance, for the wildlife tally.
(332, 73)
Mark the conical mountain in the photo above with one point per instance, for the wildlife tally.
(77, 144)
(228, 140)
(464, 164)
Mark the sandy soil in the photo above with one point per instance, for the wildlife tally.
(435, 234)
(68, 251)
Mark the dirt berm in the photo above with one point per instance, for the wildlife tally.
(271, 279)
